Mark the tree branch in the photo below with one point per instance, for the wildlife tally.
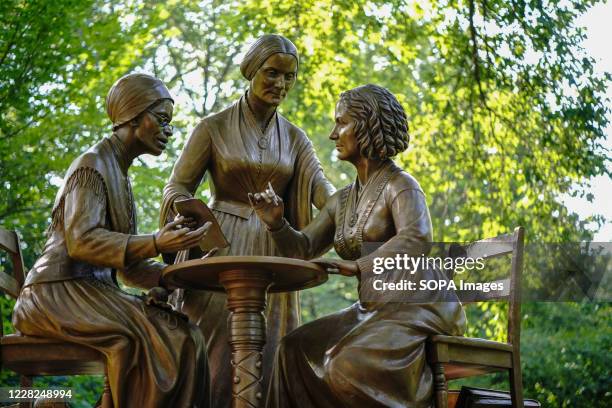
(207, 61)
(14, 212)
(19, 130)
(475, 58)
(229, 63)
(181, 78)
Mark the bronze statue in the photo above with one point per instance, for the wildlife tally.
(372, 353)
(154, 357)
(243, 148)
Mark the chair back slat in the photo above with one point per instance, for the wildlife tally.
(9, 285)
(486, 248)
(9, 241)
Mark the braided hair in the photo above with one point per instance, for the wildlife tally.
(381, 126)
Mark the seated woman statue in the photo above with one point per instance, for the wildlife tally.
(371, 354)
(154, 357)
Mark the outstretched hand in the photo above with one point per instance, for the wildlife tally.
(338, 266)
(176, 235)
(269, 207)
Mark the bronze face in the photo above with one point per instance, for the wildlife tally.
(343, 134)
(150, 133)
(274, 79)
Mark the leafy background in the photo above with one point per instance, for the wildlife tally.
(506, 113)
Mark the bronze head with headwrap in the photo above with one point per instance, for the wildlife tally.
(133, 94)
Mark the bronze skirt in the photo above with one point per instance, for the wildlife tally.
(362, 358)
(155, 359)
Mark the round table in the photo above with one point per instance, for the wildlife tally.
(246, 280)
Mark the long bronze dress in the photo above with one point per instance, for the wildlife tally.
(154, 358)
(240, 158)
(371, 354)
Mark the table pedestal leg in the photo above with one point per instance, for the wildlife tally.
(246, 301)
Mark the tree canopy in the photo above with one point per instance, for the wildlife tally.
(506, 112)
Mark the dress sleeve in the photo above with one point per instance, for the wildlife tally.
(413, 225)
(88, 238)
(314, 240)
(188, 170)
(141, 271)
(322, 190)
(144, 274)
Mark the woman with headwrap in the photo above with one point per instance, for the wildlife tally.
(371, 354)
(154, 357)
(243, 148)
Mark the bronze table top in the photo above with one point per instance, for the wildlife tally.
(285, 274)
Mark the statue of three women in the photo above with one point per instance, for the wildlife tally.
(368, 355)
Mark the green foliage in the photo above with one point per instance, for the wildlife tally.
(566, 359)
(59, 61)
(506, 115)
(564, 355)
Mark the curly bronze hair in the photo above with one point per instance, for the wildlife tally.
(381, 125)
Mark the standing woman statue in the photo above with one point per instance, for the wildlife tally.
(154, 357)
(371, 354)
(242, 148)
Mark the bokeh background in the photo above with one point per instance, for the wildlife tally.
(508, 114)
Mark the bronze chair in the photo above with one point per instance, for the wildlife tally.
(453, 357)
(31, 356)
